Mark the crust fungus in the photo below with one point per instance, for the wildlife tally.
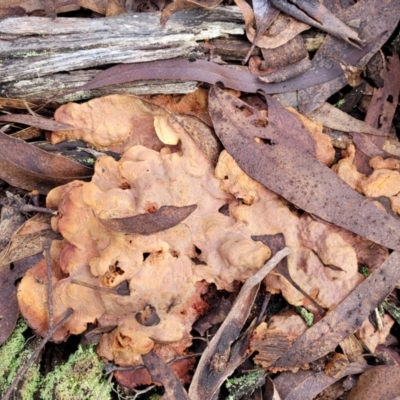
(384, 180)
(167, 272)
(164, 274)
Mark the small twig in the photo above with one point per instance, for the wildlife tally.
(143, 391)
(103, 389)
(51, 330)
(94, 287)
(49, 285)
(264, 306)
(34, 356)
(31, 208)
(109, 368)
(28, 207)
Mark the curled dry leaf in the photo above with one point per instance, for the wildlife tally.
(379, 20)
(331, 117)
(24, 165)
(316, 14)
(204, 71)
(281, 30)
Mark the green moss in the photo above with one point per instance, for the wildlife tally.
(80, 378)
(392, 310)
(363, 270)
(244, 385)
(13, 355)
(306, 315)
(340, 103)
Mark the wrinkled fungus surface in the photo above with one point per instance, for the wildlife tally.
(168, 272)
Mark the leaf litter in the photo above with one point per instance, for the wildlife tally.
(169, 213)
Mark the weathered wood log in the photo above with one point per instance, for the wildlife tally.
(33, 51)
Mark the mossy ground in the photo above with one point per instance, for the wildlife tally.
(80, 378)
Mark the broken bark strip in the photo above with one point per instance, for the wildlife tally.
(33, 47)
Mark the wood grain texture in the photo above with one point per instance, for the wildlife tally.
(33, 47)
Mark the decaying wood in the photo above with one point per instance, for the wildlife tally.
(33, 48)
(51, 85)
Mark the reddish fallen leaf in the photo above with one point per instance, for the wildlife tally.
(259, 145)
(24, 165)
(146, 224)
(204, 71)
(37, 121)
(306, 385)
(379, 19)
(314, 13)
(324, 336)
(162, 373)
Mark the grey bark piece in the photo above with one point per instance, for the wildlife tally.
(51, 85)
(33, 47)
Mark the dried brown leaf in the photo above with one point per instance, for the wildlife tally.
(332, 117)
(204, 71)
(24, 165)
(314, 13)
(379, 21)
(281, 30)
(146, 224)
(306, 385)
(35, 120)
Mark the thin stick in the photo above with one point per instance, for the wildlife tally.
(264, 306)
(103, 389)
(109, 368)
(94, 287)
(34, 356)
(49, 285)
(50, 332)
